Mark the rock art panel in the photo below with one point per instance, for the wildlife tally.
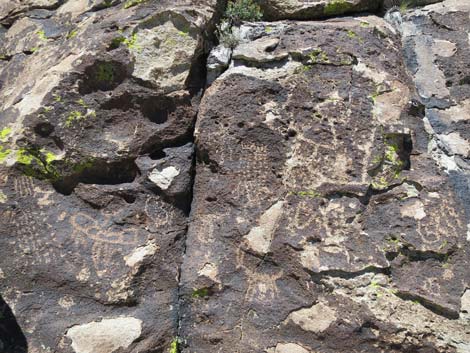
(317, 207)
(97, 108)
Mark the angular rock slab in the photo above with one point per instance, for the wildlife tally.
(436, 44)
(317, 212)
(91, 245)
(307, 10)
(315, 9)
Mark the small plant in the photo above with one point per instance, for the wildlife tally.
(398, 5)
(105, 72)
(226, 36)
(237, 11)
(242, 10)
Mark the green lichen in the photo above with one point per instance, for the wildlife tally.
(4, 133)
(375, 285)
(390, 164)
(4, 153)
(73, 117)
(174, 346)
(34, 49)
(82, 103)
(200, 293)
(268, 29)
(77, 116)
(131, 42)
(72, 34)
(57, 98)
(308, 193)
(41, 34)
(83, 165)
(318, 56)
(337, 7)
(131, 3)
(364, 24)
(380, 183)
(443, 245)
(3, 199)
(37, 163)
(354, 35)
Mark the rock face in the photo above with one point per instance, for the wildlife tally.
(303, 192)
(317, 205)
(98, 104)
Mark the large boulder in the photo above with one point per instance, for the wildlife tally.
(320, 223)
(97, 107)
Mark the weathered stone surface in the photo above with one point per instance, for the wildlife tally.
(330, 210)
(105, 336)
(97, 107)
(436, 43)
(320, 223)
(315, 9)
(305, 10)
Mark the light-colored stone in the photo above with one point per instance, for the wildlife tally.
(259, 51)
(105, 336)
(289, 348)
(217, 62)
(139, 254)
(455, 144)
(163, 53)
(456, 113)
(413, 209)
(260, 237)
(164, 178)
(315, 319)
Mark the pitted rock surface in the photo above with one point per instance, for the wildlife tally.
(306, 191)
(95, 100)
(317, 204)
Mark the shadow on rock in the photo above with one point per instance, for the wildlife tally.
(12, 339)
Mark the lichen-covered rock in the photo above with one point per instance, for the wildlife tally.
(320, 223)
(97, 106)
(305, 10)
(304, 192)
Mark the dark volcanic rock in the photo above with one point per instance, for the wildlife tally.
(313, 199)
(92, 237)
(319, 221)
